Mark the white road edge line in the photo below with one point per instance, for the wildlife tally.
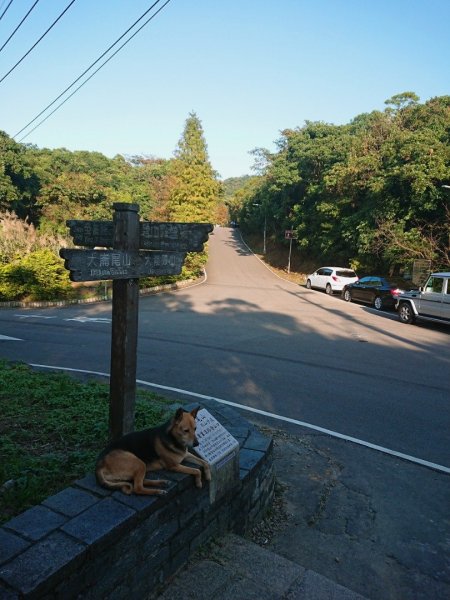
(341, 436)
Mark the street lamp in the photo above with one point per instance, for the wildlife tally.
(265, 228)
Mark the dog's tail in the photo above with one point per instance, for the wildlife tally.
(102, 479)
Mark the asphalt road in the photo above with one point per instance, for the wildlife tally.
(249, 337)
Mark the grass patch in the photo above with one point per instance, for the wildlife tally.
(52, 427)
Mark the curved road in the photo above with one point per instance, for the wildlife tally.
(249, 337)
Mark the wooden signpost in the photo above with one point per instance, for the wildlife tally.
(290, 235)
(121, 260)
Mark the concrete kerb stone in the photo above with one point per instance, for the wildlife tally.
(62, 545)
(59, 303)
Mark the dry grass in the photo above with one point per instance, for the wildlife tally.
(277, 257)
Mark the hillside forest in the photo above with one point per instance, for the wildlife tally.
(40, 189)
(372, 194)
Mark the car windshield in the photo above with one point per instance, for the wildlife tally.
(345, 273)
(400, 283)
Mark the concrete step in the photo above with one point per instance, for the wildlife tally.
(234, 568)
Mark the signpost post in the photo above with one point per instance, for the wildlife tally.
(165, 246)
(125, 307)
(290, 235)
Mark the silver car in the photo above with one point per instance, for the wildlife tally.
(331, 279)
(431, 302)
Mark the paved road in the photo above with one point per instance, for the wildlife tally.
(249, 337)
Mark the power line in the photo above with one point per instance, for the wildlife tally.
(3, 13)
(36, 43)
(86, 70)
(19, 25)
(94, 73)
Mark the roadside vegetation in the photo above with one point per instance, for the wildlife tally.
(40, 189)
(372, 194)
(51, 430)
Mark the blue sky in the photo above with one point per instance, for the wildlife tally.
(247, 68)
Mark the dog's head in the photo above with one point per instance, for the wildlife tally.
(183, 427)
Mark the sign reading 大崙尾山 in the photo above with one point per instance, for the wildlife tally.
(117, 264)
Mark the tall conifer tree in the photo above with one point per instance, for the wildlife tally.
(196, 193)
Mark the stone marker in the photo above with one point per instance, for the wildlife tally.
(221, 450)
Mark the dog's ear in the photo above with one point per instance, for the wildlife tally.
(195, 411)
(178, 415)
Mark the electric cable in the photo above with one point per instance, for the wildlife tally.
(3, 13)
(94, 73)
(36, 43)
(87, 70)
(19, 25)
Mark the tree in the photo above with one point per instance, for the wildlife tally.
(18, 183)
(342, 188)
(197, 190)
(402, 100)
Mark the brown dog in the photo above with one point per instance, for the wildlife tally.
(124, 463)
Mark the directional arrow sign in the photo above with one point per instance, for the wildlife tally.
(173, 237)
(95, 265)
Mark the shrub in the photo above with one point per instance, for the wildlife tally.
(39, 275)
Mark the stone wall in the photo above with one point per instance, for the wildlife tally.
(87, 542)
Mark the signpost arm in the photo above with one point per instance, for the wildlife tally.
(125, 307)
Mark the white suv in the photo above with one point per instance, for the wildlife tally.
(431, 302)
(331, 279)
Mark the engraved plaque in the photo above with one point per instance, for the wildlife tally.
(221, 450)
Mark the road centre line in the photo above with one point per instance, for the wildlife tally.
(407, 457)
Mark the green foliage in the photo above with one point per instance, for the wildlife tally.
(52, 429)
(339, 187)
(39, 275)
(196, 193)
(40, 189)
(18, 182)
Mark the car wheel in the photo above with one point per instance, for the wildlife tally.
(329, 290)
(378, 303)
(347, 296)
(308, 284)
(405, 313)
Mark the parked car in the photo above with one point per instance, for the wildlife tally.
(431, 302)
(331, 279)
(380, 292)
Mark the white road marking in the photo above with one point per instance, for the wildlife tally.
(34, 316)
(347, 438)
(6, 337)
(90, 319)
